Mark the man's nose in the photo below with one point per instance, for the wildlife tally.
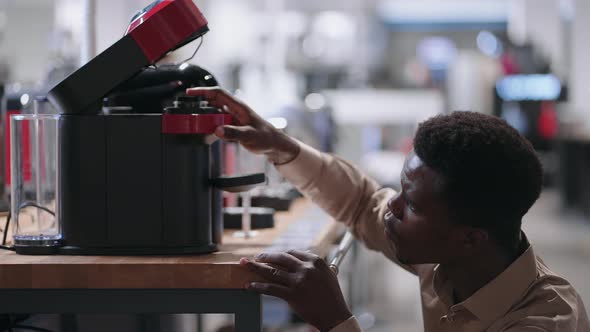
(395, 205)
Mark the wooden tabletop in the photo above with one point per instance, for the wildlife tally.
(218, 270)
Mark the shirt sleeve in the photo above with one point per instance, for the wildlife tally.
(345, 193)
(349, 325)
(525, 328)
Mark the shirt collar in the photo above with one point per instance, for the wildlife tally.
(495, 298)
(442, 286)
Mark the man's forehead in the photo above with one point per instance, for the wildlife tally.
(412, 163)
(416, 172)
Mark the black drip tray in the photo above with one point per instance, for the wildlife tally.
(260, 218)
(278, 203)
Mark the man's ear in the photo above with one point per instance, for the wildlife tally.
(475, 237)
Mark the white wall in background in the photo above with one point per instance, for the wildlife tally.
(540, 22)
(112, 19)
(580, 69)
(383, 107)
(69, 20)
(436, 11)
(470, 82)
(25, 44)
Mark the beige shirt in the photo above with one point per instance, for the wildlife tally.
(527, 296)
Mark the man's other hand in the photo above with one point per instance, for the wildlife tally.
(303, 280)
(250, 130)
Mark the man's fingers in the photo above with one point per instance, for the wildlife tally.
(302, 255)
(280, 259)
(270, 273)
(279, 291)
(242, 134)
(219, 98)
(209, 93)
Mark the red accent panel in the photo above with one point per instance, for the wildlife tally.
(166, 26)
(548, 124)
(195, 124)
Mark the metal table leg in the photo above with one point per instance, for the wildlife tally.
(248, 315)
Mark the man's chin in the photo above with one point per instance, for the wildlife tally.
(405, 261)
(414, 260)
(408, 260)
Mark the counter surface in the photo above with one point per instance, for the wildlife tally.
(218, 270)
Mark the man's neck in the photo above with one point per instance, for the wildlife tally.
(468, 277)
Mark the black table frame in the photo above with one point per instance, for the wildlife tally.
(245, 305)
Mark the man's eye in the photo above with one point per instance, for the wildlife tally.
(411, 206)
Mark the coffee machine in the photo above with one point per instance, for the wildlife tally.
(138, 166)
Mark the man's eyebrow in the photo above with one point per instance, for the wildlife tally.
(404, 183)
(403, 179)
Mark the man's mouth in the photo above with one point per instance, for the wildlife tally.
(389, 220)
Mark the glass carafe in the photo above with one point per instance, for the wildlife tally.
(34, 183)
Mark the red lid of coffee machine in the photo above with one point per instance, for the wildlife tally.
(158, 29)
(166, 25)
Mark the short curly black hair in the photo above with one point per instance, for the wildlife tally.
(491, 174)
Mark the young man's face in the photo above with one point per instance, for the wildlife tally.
(419, 221)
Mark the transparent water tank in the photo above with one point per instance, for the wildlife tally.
(34, 183)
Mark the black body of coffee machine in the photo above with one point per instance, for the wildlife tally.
(139, 170)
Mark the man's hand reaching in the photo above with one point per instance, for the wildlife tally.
(305, 282)
(302, 279)
(251, 131)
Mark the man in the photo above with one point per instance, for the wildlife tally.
(455, 224)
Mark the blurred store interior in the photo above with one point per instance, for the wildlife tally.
(355, 78)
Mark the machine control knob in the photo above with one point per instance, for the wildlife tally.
(192, 116)
(190, 105)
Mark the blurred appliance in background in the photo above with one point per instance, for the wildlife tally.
(20, 99)
(240, 210)
(359, 136)
(142, 174)
(278, 194)
(4, 72)
(469, 80)
(3, 107)
(437, 53)
(528, 102)
(310, 121)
